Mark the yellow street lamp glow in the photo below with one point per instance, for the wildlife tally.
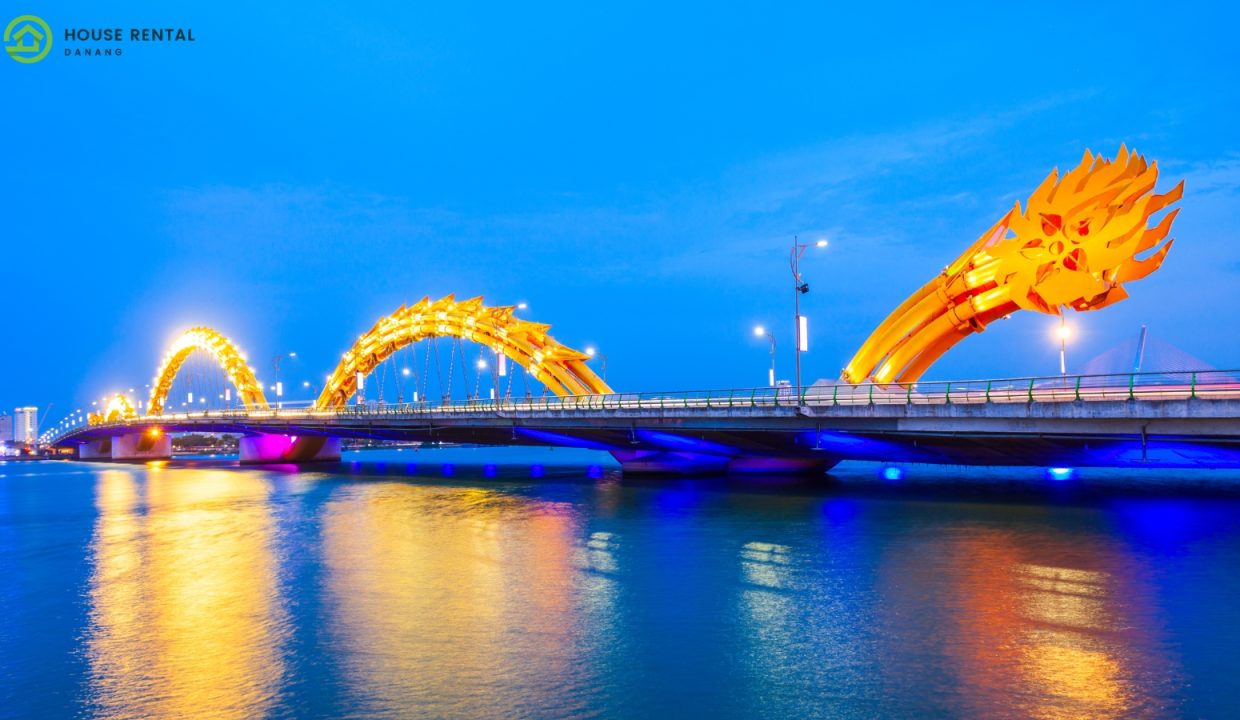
(759, 331)
(821, 243)
(1063, 333)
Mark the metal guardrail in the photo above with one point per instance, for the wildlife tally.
(1203, 384)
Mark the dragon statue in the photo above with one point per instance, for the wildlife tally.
(1075, 245)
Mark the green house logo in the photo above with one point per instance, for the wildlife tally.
(27, 39)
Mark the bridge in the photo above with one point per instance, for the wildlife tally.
(1184, 420)
(1074, 246)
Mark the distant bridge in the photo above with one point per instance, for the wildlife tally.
(1137, 420)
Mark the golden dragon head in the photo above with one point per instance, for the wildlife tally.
(1075, 245)
(1078, 239)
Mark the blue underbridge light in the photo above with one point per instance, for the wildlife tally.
(1059, 474)
(893, 473)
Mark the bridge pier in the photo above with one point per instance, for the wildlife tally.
(100, 449)
(279, 449)
(130, 446)
(666, 462)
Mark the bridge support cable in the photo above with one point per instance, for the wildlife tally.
(222, 352)
(426, 374)
(560, 369)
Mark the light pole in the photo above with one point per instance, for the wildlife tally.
(400, 386)
(314, 390)
(1063, 345)
(761, 332)
(482, 365)
(275, 365)
(592, 352)
(799, 288)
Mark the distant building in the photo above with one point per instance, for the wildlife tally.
(6, 429)
(26, 425)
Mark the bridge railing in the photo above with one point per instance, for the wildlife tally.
(1188, 385)
(1204, 384)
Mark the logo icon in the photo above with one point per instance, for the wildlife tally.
(27, 39)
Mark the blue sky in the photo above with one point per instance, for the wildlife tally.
(635, 172)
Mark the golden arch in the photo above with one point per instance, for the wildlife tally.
(224, 352)
(562, 369)
(1074, 246)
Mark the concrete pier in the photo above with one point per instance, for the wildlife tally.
(276, 449)
(150, 444)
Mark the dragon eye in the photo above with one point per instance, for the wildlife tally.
(1082, 228)
(1051, 224)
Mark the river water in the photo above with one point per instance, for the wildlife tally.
(423, 585)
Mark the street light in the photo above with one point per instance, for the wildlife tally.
(279, 386)
(761, 332)
(591, 351)
(481, 365)
(799, 288)
(1063, 333)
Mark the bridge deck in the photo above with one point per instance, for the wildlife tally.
(1170, 425)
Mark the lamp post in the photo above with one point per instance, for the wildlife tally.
(1063, 333)
(762, 332)
(591, 351)
(400, 385)
(275, 365)
(799, 288)
(314, 391)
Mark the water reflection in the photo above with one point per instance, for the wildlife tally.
(1051, 639)
(472, 597)
(454, 602)
(766, 564)
(185, 614)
